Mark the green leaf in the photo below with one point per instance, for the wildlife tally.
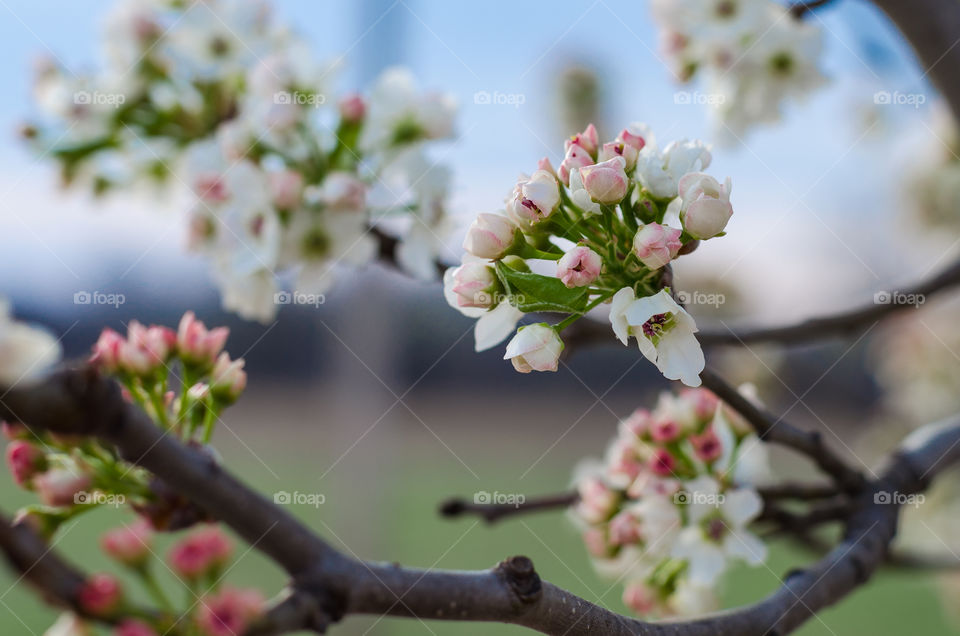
(531, 292)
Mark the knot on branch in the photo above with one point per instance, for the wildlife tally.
(518, 572)
(453, 507)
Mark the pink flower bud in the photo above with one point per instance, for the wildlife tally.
(195, 344)
(544, 164)
(24, 460)
(597, 501)
(57, 486)
(656, 245)
(210, 187)
(639, 422)
(228, 379)
(606, 182)
(663, 462)
(490, 236)
(588, 140)
(352, 108)
(634, 141)
(286, 187)
(129, 545)
(576, 157)
(705, 208)
(640, 597)
(200, 553)
(132, 627)
(579, 267)
(619, 149)
(229, 611)
(704, 402)
(664, 430)
(533, 199)
(707, 445)
(536, 347)
(624, 529)
(106, 351)
(476, 285)
(155, 343)
(596, 542)
(100, 594)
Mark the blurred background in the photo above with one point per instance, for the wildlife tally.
(376, 399)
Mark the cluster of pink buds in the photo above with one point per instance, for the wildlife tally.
(602, 228)
(197, 560)
(668, 508)
(183, 379)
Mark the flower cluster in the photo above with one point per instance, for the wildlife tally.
(667, 510)
(754, 54)
(198, 560)
(603, 227)
(73, 475)
(218, 99)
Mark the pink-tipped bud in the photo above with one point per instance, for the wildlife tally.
(476, 285)
(100, 594)
(545, 165)
(634, 141)
(624, 529)
(229, 611)
(619, 149)
(228, 379)
(596, 541)
(196, 344)
(14, 430)
(129, 545)
(576, 157)
(200, 553)
(106, 351)
(705, 207)
(662, 463)
(640, 597)
(597, 500)
(352, 108)
(579, 267)
(490, 236)
(58, 486)
(533, 199)
(24, 461)
(664, 430)
(156, 343)
(707, 445)
(638, 423)
(704, 402)
(606, 182)
(588, 139)
(656, 245)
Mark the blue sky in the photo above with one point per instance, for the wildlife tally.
(816, 194)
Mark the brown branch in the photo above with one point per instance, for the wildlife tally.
(328, 585)
(803, 492)
(773, 429)
(931, 27)
(492, 512)
(800, 9)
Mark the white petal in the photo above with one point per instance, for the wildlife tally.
(745, 545)
(618, 304)
(495, 325)
(741, 506)
(451, 297)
